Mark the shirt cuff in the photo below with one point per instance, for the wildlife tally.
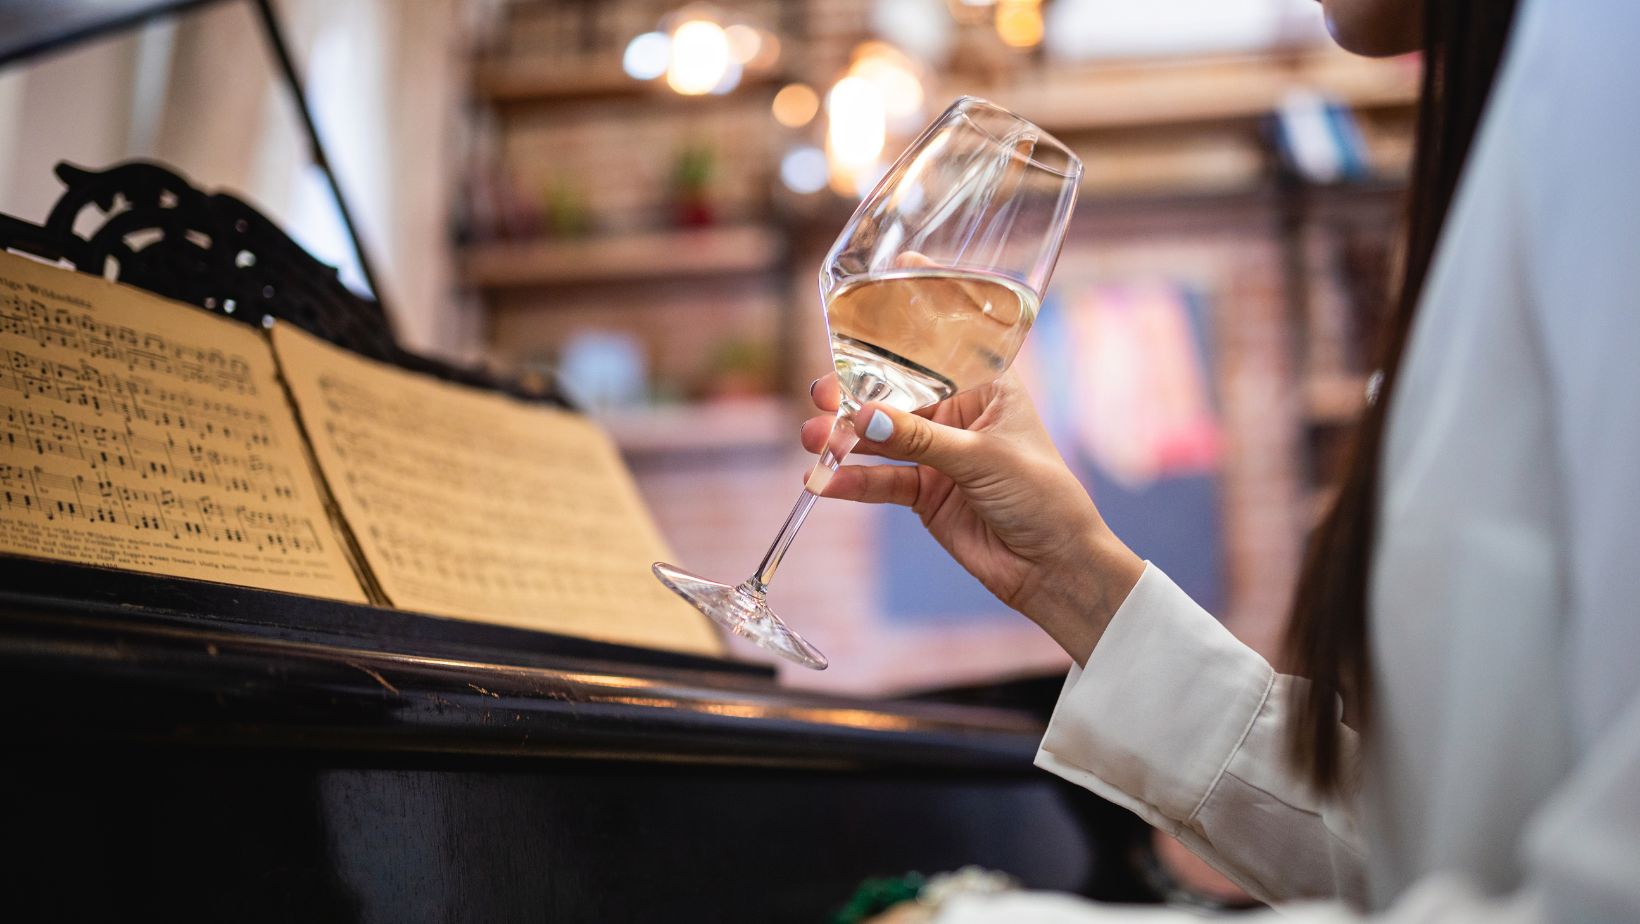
(1166, 699)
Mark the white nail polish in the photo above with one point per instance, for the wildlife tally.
(879, 427)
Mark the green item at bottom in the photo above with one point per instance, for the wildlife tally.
(876, 895)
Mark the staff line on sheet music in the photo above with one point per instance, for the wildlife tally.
(82, 332)
(99, 447)
(134, 397)
(493, 516)
(121, 442)
(32, 490)
(394, 472)
(367, 409)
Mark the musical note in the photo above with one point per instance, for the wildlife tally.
(476, 505)
(144, 434)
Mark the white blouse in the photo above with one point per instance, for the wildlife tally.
(1502, 781)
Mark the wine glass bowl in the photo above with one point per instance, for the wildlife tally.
(929, 290)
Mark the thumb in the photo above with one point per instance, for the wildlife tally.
(893, 434)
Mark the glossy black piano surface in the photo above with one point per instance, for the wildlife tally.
(188, 751)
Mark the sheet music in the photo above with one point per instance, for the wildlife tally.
(144, 434)
(481, 506)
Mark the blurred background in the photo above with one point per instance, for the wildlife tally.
(632, 197)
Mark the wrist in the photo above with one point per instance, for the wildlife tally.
(1078, 594)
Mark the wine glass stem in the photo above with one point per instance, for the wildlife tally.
(842, 439)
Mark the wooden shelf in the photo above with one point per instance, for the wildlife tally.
(656, 255)
(728, 425)
(548, 82)
(1155, 94)
(518, 81)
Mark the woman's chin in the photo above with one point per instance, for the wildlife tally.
(1375, 28)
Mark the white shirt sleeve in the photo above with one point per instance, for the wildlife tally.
(1177, 721)
(1180, 723)
(1438, 900)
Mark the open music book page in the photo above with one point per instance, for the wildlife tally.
(480, 506)
(141, 433)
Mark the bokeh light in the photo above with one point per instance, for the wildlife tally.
(804, 170)
(1019, 22)
(646, 55)
(895, 77)
(768, 52)
(700, 60)
(744, 42)
(795, 105)
(857, 130)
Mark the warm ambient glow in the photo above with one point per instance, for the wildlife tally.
(698, 54)
(768, 53)
(895, 77)
(795, 105)
(1019, 22)
(855, 136)
(700, 61)
(744, 42)
(881, 91)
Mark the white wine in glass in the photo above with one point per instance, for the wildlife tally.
(929, 290)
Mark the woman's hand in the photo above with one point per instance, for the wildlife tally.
(990, 486)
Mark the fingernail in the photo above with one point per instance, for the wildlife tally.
(879, 427)
(812, 386)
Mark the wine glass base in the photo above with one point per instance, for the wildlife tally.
(742, 612)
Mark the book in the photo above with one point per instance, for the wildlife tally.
(150, 435)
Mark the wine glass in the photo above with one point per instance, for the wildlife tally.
(929, 290)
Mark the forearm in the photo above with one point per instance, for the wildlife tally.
(1074, 597)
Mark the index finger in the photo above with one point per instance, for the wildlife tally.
(825, 392)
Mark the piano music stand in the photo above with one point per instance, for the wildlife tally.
(29, 29)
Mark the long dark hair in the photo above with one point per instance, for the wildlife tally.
(1327, 640)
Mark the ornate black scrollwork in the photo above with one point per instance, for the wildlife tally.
(155, 230)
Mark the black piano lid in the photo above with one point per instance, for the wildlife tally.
(147, 659)
(32, 27)
(68, 588)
